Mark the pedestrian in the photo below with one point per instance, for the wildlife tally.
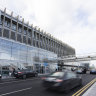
(18, 68)
(56, 70)
(85, 70)
(13, 71)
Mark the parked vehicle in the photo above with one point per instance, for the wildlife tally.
(93, 71)
(25, 73)
(61, 81)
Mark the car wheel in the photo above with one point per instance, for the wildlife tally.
(24, 77)
(16, 77)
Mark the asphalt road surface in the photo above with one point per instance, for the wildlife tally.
(33, 87)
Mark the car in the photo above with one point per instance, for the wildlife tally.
(25, 73)
(93, 71)
(61, 81)
(81, 71)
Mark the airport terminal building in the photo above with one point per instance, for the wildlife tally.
(25, 46)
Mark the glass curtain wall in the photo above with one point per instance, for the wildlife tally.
(16, 55)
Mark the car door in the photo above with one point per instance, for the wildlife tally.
(74, 79)
(71, 79)
(67, 81)
(31, 73)
(27, 73)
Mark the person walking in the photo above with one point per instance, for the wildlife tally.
(13, 71)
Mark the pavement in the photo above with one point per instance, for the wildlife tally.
(11, 77)
(7, 77)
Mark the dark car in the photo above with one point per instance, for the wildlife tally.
(62, 81)
(93, 71)
(81, 71)
(25, 73)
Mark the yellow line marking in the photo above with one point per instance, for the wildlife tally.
(84, 87)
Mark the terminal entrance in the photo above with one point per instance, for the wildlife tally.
(38, 68)
(41, 69)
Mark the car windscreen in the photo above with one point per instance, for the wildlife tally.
(70, 75)
(93, 70)
(57, 74)
(79, 70)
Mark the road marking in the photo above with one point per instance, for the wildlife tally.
(90, 91)
(17, 81)
(84, 88)
(16, 91)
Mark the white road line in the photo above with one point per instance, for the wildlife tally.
(16, 91)
(17, 81)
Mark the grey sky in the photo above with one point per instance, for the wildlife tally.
(72, 21)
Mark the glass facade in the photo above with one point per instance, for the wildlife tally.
(20, 56)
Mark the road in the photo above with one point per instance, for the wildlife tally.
(33, 87)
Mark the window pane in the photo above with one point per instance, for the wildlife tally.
(19, 38)
(29, 33)
(33, 42)
(20, 28)
(0, 32)
(29, 41)
(37, 36)
(37, 44)
(25, 31)
(13, 36)
(24, 39)
(7, 22)
(34, 34)
(2, 17)
(14, 25)
(6, 33)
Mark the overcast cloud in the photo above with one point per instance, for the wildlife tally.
(72, 21)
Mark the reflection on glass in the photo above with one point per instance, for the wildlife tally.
(22, 55)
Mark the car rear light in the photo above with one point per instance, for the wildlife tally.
(19, 72)
(59, 80)
(43, 78)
